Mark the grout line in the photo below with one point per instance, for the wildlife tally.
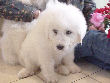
(18, 80)
(92, 78)
(88, 76)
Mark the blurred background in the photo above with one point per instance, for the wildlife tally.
(100, 3)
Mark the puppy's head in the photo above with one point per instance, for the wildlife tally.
(65, 26)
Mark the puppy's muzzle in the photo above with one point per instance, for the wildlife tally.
(60, 47)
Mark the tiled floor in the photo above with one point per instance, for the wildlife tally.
(90, 74)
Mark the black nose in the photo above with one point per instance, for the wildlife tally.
(60, 47)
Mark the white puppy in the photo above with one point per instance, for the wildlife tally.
(49, 44)
(51, 41)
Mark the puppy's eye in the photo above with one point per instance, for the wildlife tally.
(55, 31)
(68, 32)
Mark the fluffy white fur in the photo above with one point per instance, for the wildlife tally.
(34, 45)
(17, 31)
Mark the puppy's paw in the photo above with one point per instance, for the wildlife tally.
(62, 70)
(24, 73)
(52, 79)
(48, 78)
(74, 69)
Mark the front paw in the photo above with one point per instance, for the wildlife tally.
(52, 79)
(62, 70)
(74, 69)
(48, 78)
(25, 73)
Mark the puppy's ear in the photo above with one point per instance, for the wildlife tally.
(79, 40)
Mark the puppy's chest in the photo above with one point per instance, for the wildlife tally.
(58, 59)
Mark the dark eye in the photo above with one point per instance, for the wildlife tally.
(55, 31)
(68, 32)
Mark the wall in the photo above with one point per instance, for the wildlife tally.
(100, 3)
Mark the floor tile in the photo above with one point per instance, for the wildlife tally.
(88, 68)
(5, 78)
(76, 78)
(90, 74)
(103, 76)
(86, 80)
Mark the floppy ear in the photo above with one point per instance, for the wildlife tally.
(82, 31)
(79, 40)
(81, 35)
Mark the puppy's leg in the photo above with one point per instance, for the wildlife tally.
(29, 70)
(63, 70)
(69, 63)
(47, 70)
(25, 73)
